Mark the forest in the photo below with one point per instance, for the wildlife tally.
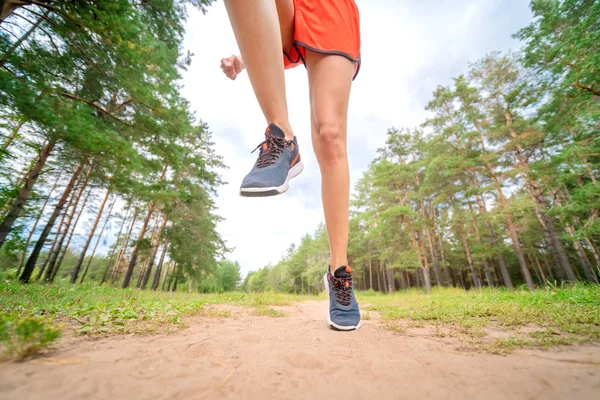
(95, 133)
(498, 187)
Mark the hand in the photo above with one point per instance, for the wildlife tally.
(232, 66)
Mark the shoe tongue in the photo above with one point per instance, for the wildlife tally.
(342, 272)
(276, 131)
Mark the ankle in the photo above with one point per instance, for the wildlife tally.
(335, 264)
(286, 128)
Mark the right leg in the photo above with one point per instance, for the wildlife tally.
(262, 28)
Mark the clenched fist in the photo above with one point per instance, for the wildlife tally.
(232, 66)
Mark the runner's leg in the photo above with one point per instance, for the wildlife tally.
(256, 25)
(330, 79)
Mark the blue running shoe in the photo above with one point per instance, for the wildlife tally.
(278, 162)
(344, 314)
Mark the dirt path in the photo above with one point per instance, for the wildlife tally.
(296, 357)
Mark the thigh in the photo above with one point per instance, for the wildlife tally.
(330, 80)
(285, 11)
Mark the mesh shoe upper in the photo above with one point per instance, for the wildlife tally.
(277, 155)
(343, 307)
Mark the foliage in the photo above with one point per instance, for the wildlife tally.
(560, 316)
(25, 336)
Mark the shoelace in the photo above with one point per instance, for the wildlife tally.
(270, 149)
(342, 288)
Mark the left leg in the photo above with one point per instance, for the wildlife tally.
(330, 79)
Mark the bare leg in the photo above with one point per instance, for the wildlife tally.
(330, 79)
(256, 25)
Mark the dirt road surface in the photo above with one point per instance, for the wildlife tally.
(295, 357)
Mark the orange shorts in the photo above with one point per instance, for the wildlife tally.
(325, 26)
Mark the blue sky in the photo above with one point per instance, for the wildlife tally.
(408, 49)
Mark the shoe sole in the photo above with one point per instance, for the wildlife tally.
(333, 325)
(274, 190)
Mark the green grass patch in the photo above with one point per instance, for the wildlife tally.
(557, 315)
(97, 310)
(263, 311)
(21, 337)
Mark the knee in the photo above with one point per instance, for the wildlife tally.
(329, 139)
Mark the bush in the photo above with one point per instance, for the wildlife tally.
(22, 337)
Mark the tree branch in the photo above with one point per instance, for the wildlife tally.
(23, 37)
(96, 106)
(587, 89)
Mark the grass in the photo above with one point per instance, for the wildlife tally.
(492, 319)
(546, 317)
(103, 310)
(263, 311)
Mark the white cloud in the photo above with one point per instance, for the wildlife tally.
(408, 48)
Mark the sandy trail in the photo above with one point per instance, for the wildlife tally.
(296, 357)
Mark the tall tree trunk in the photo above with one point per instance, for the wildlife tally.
(89, 239)
(175, 277)
(124, 245)
(65, 231)
(51, 249)
(594, 251)
(423, 262)
(501, 260)
(583, 258)
(370, 272)
(379, 285)
(383, 272)
(147, 260)
(540, 202)
(24, 193)
(112, 253)
(467, 249)
(66, 248)
(486, 268)
(87, 267)
(508, 220)
(157, 274)
(537, 262)
(153, 253)
(493, 239)
(57, 236)
(30, 265)
(37, 221)
(391, 283)
(134, 252)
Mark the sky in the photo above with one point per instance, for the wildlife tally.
(408, 49)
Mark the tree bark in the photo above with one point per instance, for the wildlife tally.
(147, 260)
(27, 271)
(112, 253)
(87, 267)
(153, 253)
(123, 249)
(65, 229)
(157, 274)
(508, 221)
(38, 219)
(467, 249)
(51, 249)
(370, 272)
(134, 252)
(89, 239)
(24, 193)
(64, 252)
(540, 202)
